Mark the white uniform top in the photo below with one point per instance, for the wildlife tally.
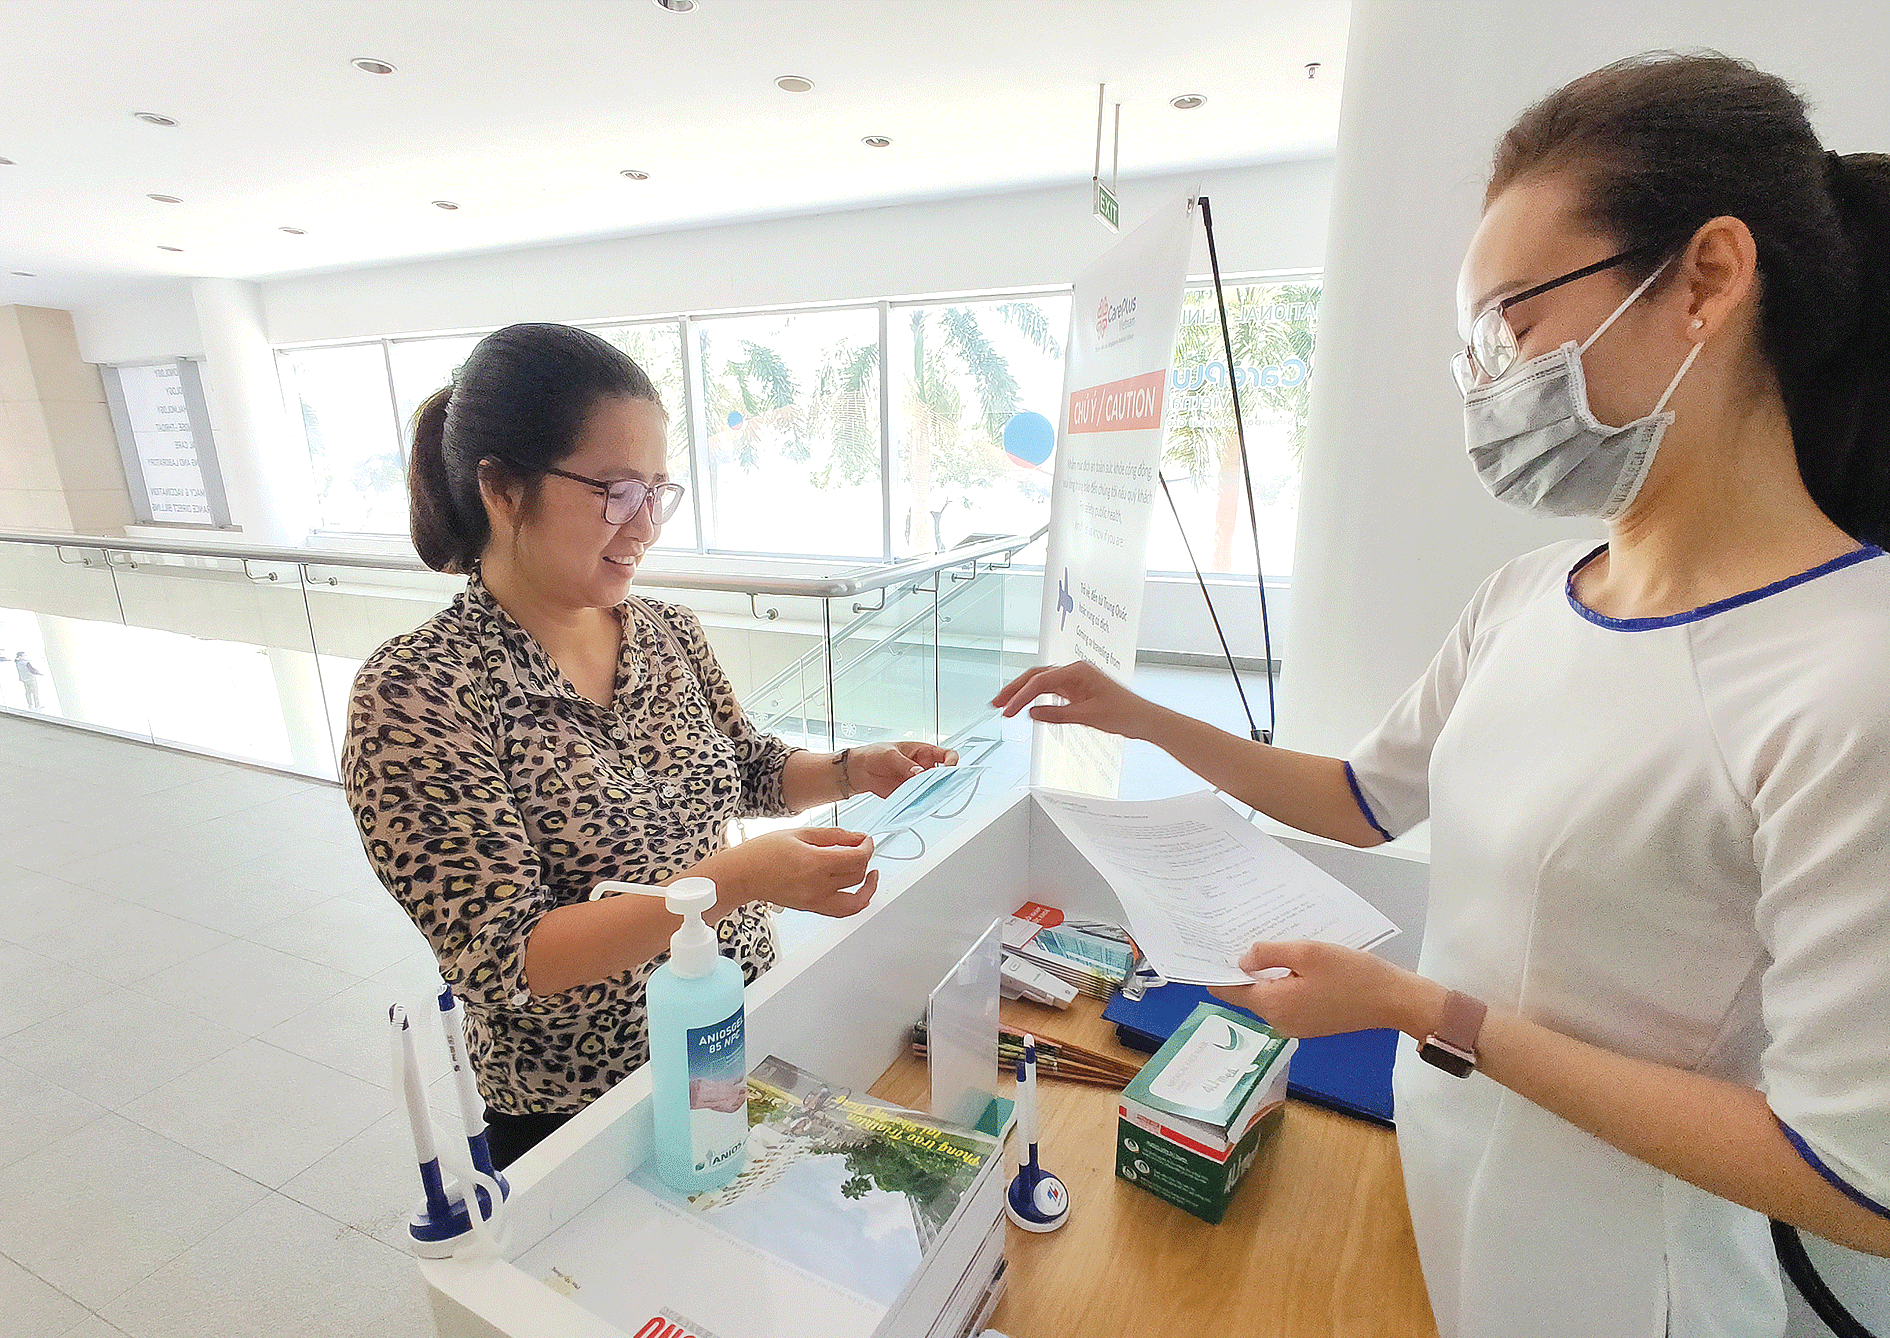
(1669, 837)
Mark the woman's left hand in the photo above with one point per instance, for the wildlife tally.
(884, 767)
(1333, 989)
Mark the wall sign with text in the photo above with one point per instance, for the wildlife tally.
(163, 426)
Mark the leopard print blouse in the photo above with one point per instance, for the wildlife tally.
(489, 791)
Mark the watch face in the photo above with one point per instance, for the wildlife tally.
(1450, 1061)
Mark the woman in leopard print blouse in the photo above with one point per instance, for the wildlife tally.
(549, 731)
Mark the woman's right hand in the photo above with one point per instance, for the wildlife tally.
(818, 869)
(1089, 695)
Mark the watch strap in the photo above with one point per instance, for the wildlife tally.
(1452, 1044)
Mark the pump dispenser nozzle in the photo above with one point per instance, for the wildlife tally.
(692, 948)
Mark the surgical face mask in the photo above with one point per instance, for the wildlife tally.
(1537, 445)
(930, 794)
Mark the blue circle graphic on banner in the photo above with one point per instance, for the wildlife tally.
(734, 418)
(1029, 439)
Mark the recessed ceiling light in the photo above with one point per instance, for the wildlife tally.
(634, 174)
(294, 232)
(369, 65)
(676, 6)
(22, 274)
(164, 199)
(152, 118)
(794, 83)
(876, 141)
(444, 204)
(170, 248)
(8, 162)
(1186, 102)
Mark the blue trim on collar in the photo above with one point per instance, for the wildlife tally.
(1351, 778)
(1849, 559)
(1836, 1181)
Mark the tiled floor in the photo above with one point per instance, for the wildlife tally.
(197, 1131)
(198, 1134)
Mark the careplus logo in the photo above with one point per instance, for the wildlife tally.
(662, 1326)
(1107, 315)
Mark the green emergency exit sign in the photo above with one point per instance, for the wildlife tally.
(1106, 207)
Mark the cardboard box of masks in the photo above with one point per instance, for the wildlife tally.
(1193, 1120)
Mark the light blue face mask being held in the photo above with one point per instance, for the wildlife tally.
(1534, 440)
(930, 794)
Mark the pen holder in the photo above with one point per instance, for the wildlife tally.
(451, 1216)
(441, 1232)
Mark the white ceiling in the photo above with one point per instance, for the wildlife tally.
(524, 112)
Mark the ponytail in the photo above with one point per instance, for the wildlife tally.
(448, 535)
(1664, 142)
(1843, 411)
(515, 408)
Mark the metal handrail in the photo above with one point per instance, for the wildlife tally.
(853, 581)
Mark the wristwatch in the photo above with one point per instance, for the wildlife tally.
(1452, 1044)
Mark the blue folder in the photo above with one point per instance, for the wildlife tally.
(1349, 1073)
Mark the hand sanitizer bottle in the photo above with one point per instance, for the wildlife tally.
(698, 1065)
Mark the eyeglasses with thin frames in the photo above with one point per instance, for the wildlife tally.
(1493, 348)
(623, 498)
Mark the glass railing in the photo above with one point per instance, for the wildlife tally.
(925, 653)
(248, 653)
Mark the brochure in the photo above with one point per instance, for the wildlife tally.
(842, 1203)
(1094, 958)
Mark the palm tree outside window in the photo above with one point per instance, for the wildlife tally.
(964, 373)
(791, 422)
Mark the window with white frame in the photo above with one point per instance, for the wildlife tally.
(975, 392)
(418, 367)
(339, 397)
(1273, 324)
(790, 444)
(781, 430)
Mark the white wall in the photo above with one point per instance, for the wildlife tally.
(1395, 532)
(147, 324)
(1270, 217)
(263, 462)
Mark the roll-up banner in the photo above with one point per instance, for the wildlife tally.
(1123, 321)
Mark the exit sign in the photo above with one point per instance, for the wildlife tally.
(1106, 208)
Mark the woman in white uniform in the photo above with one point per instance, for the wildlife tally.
(1655, 980)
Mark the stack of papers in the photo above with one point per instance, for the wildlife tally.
(1201, 885)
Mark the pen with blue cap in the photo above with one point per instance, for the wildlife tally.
(437, 1214)
(1037, 1200)
(472, 1106)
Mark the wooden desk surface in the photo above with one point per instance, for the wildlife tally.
(1316, 1242)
